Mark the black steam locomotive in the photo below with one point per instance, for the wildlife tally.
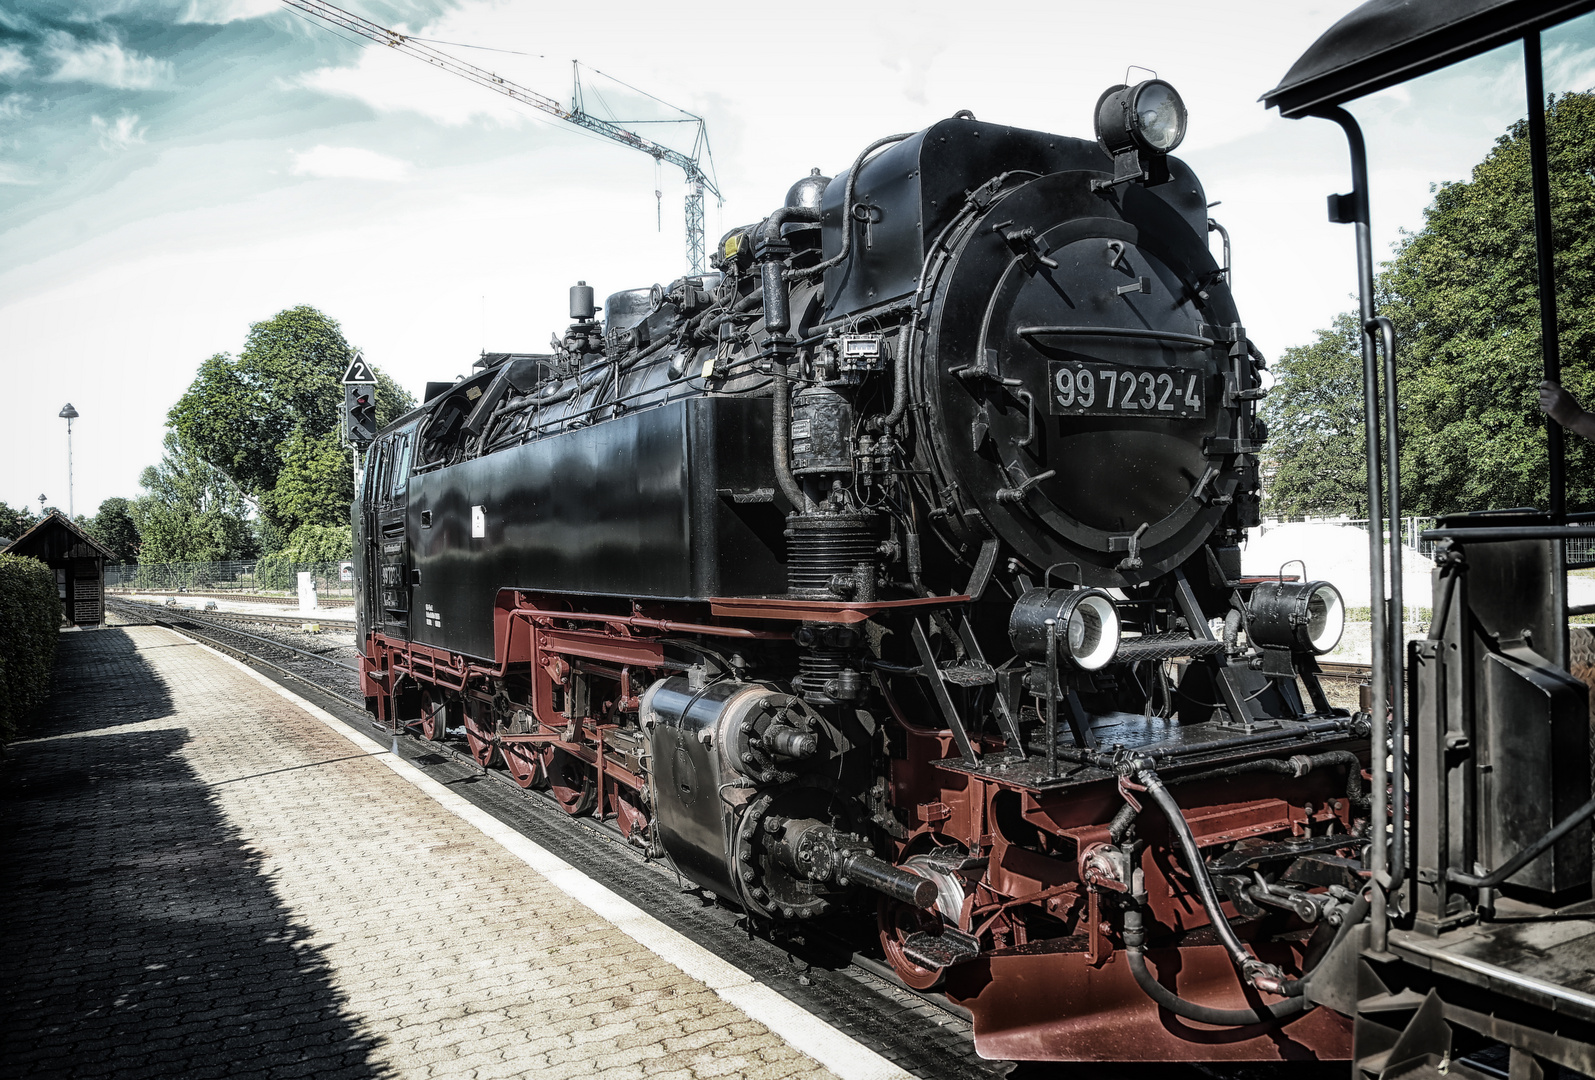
(894, 568)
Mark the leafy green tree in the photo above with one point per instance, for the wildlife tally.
(1315, 427)
(14, 522)
(113, 526)
(1462, 292)
(272, 416)
(315, 485)
(191, 512)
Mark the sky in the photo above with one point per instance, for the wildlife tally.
(172, 171)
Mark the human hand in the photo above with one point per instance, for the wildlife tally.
(1558, 403)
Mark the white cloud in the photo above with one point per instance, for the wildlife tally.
(12, 62)
(106, 63)
(13, 107)
(11, 174)
(218, 12)
(118, 134)
(348, 163)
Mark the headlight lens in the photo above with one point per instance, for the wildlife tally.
(1093, 635)
(1326, 617)
(1159, 115)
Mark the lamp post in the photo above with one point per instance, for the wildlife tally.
(69, 414)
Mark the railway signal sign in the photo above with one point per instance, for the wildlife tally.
(358, 371)
(359, 402)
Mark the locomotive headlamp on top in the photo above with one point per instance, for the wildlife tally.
(1085, 626)
(1140, 126)
(1294, 618)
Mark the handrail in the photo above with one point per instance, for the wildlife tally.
(1171, 337)
(1511, 532)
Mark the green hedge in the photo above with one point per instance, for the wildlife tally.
(30, 618)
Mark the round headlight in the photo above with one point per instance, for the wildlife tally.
(1149, 115)
(1093, 631)
(1085, 626)
(1303, 616)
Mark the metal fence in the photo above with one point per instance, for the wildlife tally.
(259, 577)
(1580, 552)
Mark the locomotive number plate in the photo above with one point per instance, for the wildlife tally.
(1112, 390)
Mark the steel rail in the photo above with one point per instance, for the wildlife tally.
(244, 654)
(187, 616)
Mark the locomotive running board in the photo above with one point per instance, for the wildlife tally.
(1171, 745)
(831, 611)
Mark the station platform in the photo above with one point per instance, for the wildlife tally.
(206, 876)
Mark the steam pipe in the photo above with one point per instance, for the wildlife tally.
(771, 251)
(847, 209)
(780, 435)
(900, 379)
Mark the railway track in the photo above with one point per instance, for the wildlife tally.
(828, 975)
(1345, 672)
(333, 675)
(261, 618)
(245, 598)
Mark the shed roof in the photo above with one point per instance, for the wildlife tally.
(31, 539)
(1385, 42)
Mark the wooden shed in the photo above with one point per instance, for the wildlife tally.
(78, 561)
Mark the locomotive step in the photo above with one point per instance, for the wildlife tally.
(1165, 647)
(972, 673)
(941, 950)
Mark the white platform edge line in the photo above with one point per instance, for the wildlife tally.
(802, 1030)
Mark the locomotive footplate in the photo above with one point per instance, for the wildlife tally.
(1165, 742)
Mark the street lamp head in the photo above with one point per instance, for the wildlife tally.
(68, 412)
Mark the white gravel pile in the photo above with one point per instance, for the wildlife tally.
(1337, 554)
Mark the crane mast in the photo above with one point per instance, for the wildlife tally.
(698, 182)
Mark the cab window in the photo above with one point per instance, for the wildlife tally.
(401, 466)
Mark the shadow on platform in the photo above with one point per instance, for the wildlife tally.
(142, 938)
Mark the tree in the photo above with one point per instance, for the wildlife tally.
(266, 417)
(192, 512)
(1316, 429)
(113, 526)
(1462, 293)
(15, 522)
(315, 485)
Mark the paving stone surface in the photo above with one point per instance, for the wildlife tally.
(202, 880)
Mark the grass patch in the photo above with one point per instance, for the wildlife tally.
(1414, 614)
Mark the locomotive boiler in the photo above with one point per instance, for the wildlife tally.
(891, 572)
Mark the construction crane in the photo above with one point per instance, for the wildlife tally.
(698, 182)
